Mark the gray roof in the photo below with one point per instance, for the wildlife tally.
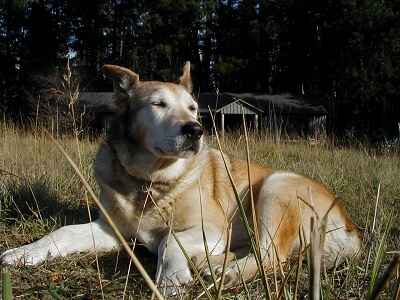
(225, 103)
(99, 102)
(284, 103)
(95, 98)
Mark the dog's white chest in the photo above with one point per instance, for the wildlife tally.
(152, 228)
(148, 223)
(149, 239)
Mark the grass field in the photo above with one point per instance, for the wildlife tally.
(40, 192)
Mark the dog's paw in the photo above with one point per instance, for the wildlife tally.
(232, 274)
(215, 269)
(173, 283)
(23, 256)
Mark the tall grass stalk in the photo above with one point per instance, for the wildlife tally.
(206, 250)
(71, 93)
(227, 249)
(397, 293)
(184, 252)
(299, 262)
(6, 284)
(373, 289)
(109, 220)
(384, 280)
(242, 212)
(134, 243)
(372, 233)
(253, 209)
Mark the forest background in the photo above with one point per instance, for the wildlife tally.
(343, 54)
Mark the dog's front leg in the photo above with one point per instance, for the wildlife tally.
(173, 269)
(63, 241)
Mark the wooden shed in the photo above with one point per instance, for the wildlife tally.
(227, 111)
(293, 113)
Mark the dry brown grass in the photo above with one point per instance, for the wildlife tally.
(39, 192)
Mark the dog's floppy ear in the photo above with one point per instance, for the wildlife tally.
(186, 79)
(125, 78)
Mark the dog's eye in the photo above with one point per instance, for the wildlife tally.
(159, 103)
(192, 108)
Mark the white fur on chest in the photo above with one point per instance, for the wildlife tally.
(138, 219)
(127, 204)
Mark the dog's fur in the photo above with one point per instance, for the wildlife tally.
(155, 176)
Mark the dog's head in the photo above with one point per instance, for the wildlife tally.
(160, 116)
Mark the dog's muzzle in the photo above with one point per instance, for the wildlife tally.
(192, 130)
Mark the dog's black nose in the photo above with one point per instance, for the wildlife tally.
(192, 129)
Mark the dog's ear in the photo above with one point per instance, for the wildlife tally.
(125, 78)
(125, 82)
(186, 79)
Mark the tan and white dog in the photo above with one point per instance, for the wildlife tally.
(155, 173)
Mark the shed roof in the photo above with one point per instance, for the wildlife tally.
(95, 98)
(225, 103)
(284, 103)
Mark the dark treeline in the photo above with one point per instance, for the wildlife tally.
(343, 53)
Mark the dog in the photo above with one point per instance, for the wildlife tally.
(157, 176)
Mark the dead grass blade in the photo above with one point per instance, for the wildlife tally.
(205, 239)
(315, 261)
(397, 293)
(223, 273)
(372, 230)
(71, 94)
(227, 249)
(159, 271)
(253, 210)
(285, 290)
(299, 261)
(134, 243)
(109, 220)
(317, 240)
(188, 258)
(376, 207)
(242, 212)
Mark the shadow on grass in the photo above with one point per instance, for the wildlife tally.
(27, 200)
(21, 200)
(117, 264)
(76, 276)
